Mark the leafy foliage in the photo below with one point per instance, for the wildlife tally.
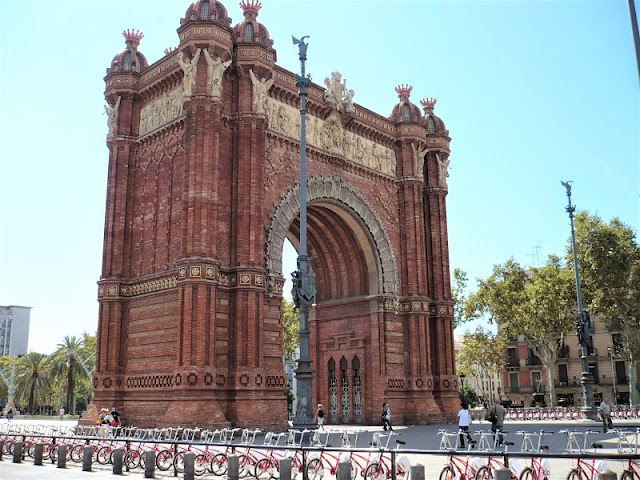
(290, 327)
(609, 265)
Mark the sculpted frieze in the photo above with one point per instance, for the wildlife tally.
(330, 136)
(161, 111)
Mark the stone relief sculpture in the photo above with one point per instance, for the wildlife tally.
(418, 158)
(112, 117)
(329, 135)
(161, 111)
(337, 93)
(261, 88)
(189, 68)
(443, 170)
(215, 70)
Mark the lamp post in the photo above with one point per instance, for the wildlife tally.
(464, 396)
(582, 325)
(611, 352)
(304, 289)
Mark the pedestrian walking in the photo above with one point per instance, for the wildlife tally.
(605, 414)
(320, 416)
(386, 417)
(464, 422)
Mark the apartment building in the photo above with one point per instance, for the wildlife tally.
(525, 379)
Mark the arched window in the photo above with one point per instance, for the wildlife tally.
(127, 62)
(431, 125)
(205, 10)
(406, 112)
(248, 32)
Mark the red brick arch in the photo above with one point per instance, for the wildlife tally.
(354, 211)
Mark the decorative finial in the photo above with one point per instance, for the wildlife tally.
(404, 91)
(428, 104)
(168, 51)
(250, 8)
(133, 36)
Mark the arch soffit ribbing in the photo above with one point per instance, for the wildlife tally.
(333, 188)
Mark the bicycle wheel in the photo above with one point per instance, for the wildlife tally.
(164, 460)
(104, 455)
(315, 469)
(484, 473)
(245, 466)
(574, 474)
(132, 459)
(374, 471)
(219, 464)
(76, 453)
(447, 473)
(47, 448)
(264, 469)
(626, 475)
(200, 464)
(527, 474)
(403, 468)
(178, 462)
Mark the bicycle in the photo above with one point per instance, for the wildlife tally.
(588, 469)
(318, 463)
(269, 465)
(457, 468)
(632, 468)
(487, 471)
(381, 468)
(539, 468)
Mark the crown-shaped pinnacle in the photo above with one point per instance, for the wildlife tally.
(133, 36)
(169, 50)
(404, 91)
(250, 7)
(428, 104)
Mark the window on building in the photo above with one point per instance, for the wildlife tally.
(621, 373)
(616, 340)
(536, 381)
(563, 376)
(513, 380)
(205, 11)
(532, 358)
(248, 32)
(512, 357)
(431, 125)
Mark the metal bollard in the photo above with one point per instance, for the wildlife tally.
(285, 469)
(189, 463)
(502, 473)
(118, 454)
(149, 464)
(37, 454)
(87, 457)
(417, 472)
(17, 452)
(344, 471)
(233, 467)
(607, 475)
(62, 456)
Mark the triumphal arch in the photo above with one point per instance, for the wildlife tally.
(203, 189)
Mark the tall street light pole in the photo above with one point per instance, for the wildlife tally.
(582, 324)
(304, 288)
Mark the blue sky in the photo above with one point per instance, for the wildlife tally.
(533, 92)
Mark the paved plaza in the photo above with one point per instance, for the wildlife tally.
(419, 437)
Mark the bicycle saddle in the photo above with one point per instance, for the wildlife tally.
(401, 442)
(596, 445)
(544, 447)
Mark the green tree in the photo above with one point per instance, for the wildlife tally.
(609, 265)
(481, 356)
(537, 304)
(290, 328)
(458, 295)
(32, 380)
(66, 365)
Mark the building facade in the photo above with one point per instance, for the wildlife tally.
(526, 380)
(14, 330)
(203, 189)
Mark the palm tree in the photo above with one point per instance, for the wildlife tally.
(67, 365)
(32, 379)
